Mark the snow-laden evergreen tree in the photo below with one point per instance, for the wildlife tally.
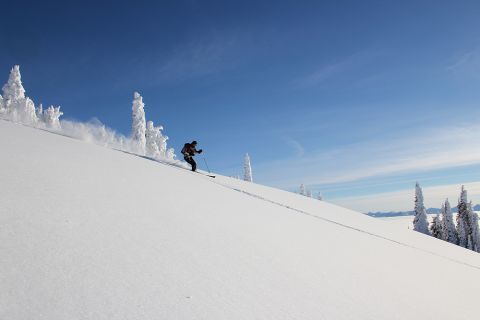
(463, 219)
(156, 143)
(170, 154)
(247, 169)
(448, 227)
(461, 233)
(13, 90)
(39, 111)
(2, 106)
(26, 112)
(138, 124)
(18, 108)
(303, 191)
(320, 197)
(436, 227)
(162, 143)
(420, 222)
(309, 193)
(474, 229)
(122, 143)
(51, 117)
(151, 135)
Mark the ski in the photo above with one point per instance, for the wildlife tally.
(203, 174)
(206, 175)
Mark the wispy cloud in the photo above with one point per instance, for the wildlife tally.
(467, 64)
(296, 146)
(329, 71)
(425, 150)
(208, 54)
(198, 58)
(323, 73)
(403, 200)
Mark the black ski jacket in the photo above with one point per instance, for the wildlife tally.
(189, 150)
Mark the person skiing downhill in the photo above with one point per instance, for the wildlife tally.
(188, 151)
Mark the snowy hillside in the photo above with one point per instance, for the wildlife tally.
(87, 232)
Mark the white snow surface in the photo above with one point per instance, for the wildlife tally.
(88, 232)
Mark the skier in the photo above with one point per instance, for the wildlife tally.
(188, 151)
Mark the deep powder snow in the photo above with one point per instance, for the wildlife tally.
(88, 232)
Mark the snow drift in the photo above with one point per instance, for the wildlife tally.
(88, 232)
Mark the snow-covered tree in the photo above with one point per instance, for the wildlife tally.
(420, 222)
(247, 169)
(462, 232)
(448, 227)
(122, 143)
(13, 90)
(302, 190)
(39, 111)
(474, 229)
(463, 223)
(51, 117)
(467, 224)
(170, 154)
(156, 143)
(436, 227)
(17, 107)
(26, 111)
(320, 197)
(309, 193)
(162, 143)
(2, 106)
(151, 135)
(138, 124)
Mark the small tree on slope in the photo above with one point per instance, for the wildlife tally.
(170, 155)
(463, 223)
(138, 124)
(247, 169)
(436, 227)
(2, 106)
(302, 190)
(51, 117)
(39, 111)
(420, 222)
(448, 227)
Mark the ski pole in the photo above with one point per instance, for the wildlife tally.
(206, 164)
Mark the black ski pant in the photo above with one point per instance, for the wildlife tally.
(192, 162)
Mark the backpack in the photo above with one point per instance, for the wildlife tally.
(185, 149)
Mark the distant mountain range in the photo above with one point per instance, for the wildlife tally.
(410, 213)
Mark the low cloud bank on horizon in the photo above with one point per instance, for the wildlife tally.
(403, 200)
(414, 153)
(437, 148)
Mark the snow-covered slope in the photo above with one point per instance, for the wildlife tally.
(88, 232)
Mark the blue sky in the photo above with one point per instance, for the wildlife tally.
(357, 100)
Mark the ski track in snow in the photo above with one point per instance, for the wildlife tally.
(320, 218)
(347, 226)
